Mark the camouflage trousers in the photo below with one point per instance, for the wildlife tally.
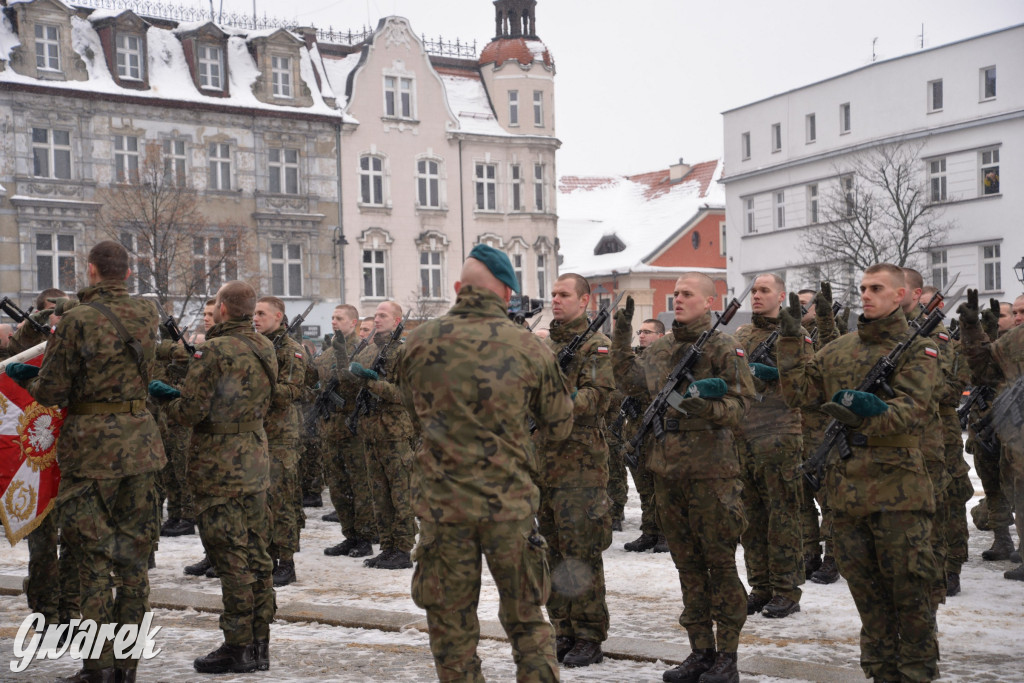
(772, 543)
(52, 586)
(171, 481)
(349, 486)
(813, 531)
(997, 482)
(578, 528)
(112, 524)
(446, 583)
(388, 468)
(887, 561)
(954, 519)
(311, 466)
(644, 482)
(283, 501)
(702, 519)
(618, 484)
(234, 532)
(940, 520)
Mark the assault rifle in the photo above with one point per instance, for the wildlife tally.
(1005, 421)
(569, 351)
(14, 312)
(178, 335)
(877, 379)
(364, 398)
(328, 400)
(980, 395)
(671, 393)
(628, 409)
(294, 326)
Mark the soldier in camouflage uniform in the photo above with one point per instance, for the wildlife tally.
(171, 366)
(574, 507)
(992, 362)
(697, 474)
(618, 484)
(109, 449)
(387, 435)
(226, 398)
(771, 449)
(346, 462)
(281, 425)
(470, 379)
(881, 497)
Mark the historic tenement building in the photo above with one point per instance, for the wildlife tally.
(324, 169)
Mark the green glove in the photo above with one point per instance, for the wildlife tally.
(843, 321)
(695, 406)
(21, 372)
(712, 387)
(624, 316)
(574, 393)
(765, 373)
(990, 318)
(361, 372)
(844, 415)
(789, 318)
(339, 346)
(42, 316)
(823, 299)
(163, 391)
(861, 403)
(968, 310)
(62, 305)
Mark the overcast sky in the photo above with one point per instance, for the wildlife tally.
(641, 83)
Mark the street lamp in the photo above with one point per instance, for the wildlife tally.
(1018, 270)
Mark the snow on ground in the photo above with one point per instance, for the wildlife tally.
(980, 630)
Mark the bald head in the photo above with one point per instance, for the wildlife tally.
(476, 274)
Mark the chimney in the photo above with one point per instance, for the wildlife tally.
(677, 172)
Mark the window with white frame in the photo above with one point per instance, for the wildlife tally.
(721, 238)
(776, 137)
(126, 158)
(849, 195)
(670, 303)
(430, 274)
(47, 47)
(513, 107)
(538, 108)
(745, 146)
(211, 67)
(129, 57)
(812, 203)
(748, 215)
(990, 171)
(988, 83)
(937, 180)
(140, 279)
(844, 118)
(940, 273)
(538, 187)
(517, 269)
(214, 262)
(51, 153)
(991, 268)
(780, 209)
(542, 277)
(374, 274)
(55, 261)
(515, 174)
(486, 181)
(220, 166)
(428, 184)
(283, 165)
(286, 269)
(174, 161)
(935, 95)
(811, 128)
(371, 180)
(281, 76)
(398, 97)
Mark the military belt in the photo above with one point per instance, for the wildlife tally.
(104, 408)
(890, 441)
(691, 425)
(228, 427)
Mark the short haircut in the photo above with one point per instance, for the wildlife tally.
(110, 259)
(807, 291)
(659, 326)
(776, 278)
(582, 286)
(895, 273)
(368, 319)
(239, 298)
(210, 302)
(349, 310)
(51, 293)
(929, 290)
(913, 278)
(396, 308)
(273, 301)
(707, 285)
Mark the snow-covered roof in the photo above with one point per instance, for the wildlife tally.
(468, 99)
(337, 71)
(642, 210)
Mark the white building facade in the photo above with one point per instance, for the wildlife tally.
(960, 106)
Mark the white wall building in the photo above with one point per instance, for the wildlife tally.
(962, 104)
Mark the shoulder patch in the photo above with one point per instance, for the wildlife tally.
(929, 351)
(602, 349)
(808, 339)
(740, 353)
(943, 337)
(298, 355)
(197, 354)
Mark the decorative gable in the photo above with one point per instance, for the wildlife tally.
(45, 52)
(123, 37)
(206, 52)
(278, 57)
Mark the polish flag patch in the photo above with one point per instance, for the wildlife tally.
(943, 337)
(602, 349)
(197, 354)
(298, 355)
(808, 340)
(929, 351)
(740, 353)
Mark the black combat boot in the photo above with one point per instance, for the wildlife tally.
(756, 603)
(398, 559)
(828, 572)
(1015, 555)
(237, 659)
(692, 667)
(284, 573)
(780, 607)
(331, 516)
(1015, 574)
(617, 524)
(211, 573)
(126, 675)
(372, 562)
(562, 646)
(183, 527)
(643, 543)
(108, 675)
(361, 549)
(662, 545)
(343, 548)
(168, 524)
(312, 500)
(723, 670)
(1002, 545)
(583, 653)
(261, 653)
(952, 584)
(811, 564)
(199, 568)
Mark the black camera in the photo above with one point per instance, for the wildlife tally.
(522, 307)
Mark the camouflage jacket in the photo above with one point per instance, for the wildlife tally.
(993, 362)
(700, 448)
(876, 478)
(470, 378)
(932, 431)
(329, 367)
(282, 421)
(582, 459)
(23, 339)
(768, 415)
(227, 383)
(387, 420)
(87, 363)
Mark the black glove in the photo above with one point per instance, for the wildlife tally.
(990, 319)
(624, 316)
(843, 321)
(968, 310)
(823, 299)
(339, 346)
(789, 318)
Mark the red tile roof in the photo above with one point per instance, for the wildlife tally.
(501, 50)
(658, 183)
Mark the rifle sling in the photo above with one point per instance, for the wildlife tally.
(133, 345)
(266, 366)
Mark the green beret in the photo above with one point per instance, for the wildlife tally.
(497, 262)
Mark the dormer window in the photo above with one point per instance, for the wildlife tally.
(609, 244)
(281, 76)
(47, 48)
(129, 57)
(211, 67)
